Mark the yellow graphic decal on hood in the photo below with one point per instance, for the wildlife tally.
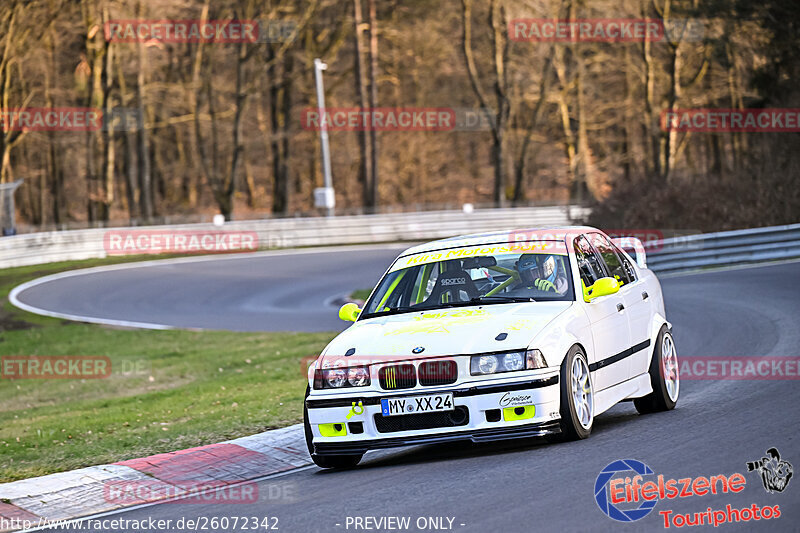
(417, 328)
(463, 313)
(447, 318)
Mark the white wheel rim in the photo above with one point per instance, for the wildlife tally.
(669, 367)
(582, 395)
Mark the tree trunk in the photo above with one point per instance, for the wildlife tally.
(107, 133)
(373, 102)
(55, 171)
(241, 98)
(365, 165)
(651, 120)
(520, 196)
(142, 151)
(500, 56)
(278, 98)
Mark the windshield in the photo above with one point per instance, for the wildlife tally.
(473, 276)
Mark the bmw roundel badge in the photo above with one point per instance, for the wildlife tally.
(418, 349)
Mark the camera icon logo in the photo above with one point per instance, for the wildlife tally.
(775, 473)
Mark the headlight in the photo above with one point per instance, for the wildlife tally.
(358, 376)
(513, 361)
(340, 377)
(335, 378)
(487, 364)
(506, 362)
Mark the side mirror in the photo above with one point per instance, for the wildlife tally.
(601, 287)
(349, 312)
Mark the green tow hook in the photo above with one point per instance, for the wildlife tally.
(356, 410)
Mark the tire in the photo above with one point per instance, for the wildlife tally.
(325, 461)
(577, 408)
(663, 376)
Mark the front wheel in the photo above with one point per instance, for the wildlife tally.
(577, 396)
(663, 376)
(325, 461)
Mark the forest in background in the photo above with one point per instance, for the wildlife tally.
(221, 131)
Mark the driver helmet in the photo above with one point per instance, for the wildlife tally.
(550, 268)
(528, 268)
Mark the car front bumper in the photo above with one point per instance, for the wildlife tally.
(477, 398)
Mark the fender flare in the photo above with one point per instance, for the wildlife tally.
(656, 324)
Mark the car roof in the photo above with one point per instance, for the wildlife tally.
(549, 233)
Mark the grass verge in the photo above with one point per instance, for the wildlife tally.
(361, 294)
(168, 390)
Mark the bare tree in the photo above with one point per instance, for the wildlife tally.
(497, 26)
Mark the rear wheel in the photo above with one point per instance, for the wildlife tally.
(577, 396)
(325, 461)
(663, 376)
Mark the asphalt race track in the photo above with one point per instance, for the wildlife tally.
(267, 291)
(515, 486)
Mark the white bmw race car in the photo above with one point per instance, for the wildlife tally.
(493, 336)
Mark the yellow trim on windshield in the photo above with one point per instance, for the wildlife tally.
(391, 289)
(423, 283)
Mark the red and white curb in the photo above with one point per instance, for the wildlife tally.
(84, 492)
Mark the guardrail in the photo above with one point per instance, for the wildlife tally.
(46, 247)
(737, 247)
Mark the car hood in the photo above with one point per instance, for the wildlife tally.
(453, 331)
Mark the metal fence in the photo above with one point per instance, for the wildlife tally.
(46, 247)
(693, 252)
(689, 252)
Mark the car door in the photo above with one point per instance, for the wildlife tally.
(609, 322)
(634, 297)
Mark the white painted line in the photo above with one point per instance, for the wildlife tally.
(13, 296)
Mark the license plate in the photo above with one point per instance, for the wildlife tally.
(417, 404)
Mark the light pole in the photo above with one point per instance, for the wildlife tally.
(323, 196)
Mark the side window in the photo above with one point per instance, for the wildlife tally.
(588, 265)
(626, 264)
(613, 261)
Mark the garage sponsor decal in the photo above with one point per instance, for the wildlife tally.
(515, 399)
(628, 490)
